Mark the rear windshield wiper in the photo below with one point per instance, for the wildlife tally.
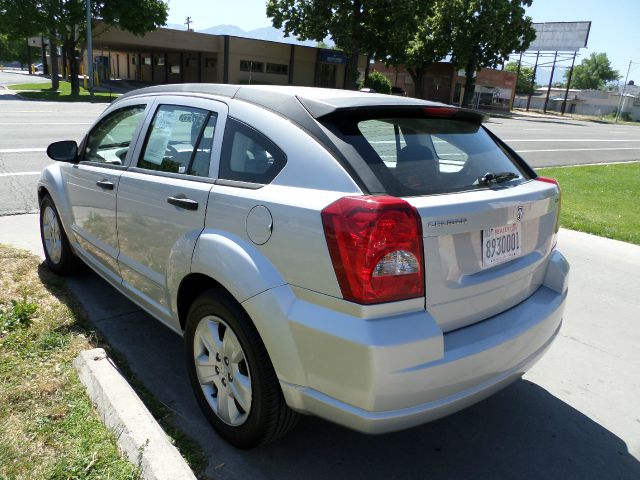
(490, 177)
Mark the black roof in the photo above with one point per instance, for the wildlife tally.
(294, 102)
(304, 105)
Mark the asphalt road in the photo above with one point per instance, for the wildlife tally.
(574, 415)
(27, 127)
(547, 142)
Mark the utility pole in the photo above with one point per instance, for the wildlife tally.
(566, 92)
(624, 88)
(45, 66)
(29, 58)
(533, 79)
(89, 48)
(553, 69)
(188, 24)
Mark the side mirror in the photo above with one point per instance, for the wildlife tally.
(65, 151)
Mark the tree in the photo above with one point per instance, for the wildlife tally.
(593, 73)
(355, 26)
(523, 87)
(378, 82)
(64, 21)
(481, 33)
(13, 50)
(406, 38)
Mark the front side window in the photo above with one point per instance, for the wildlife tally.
(179, 141)
(249, 156)
(110, 139)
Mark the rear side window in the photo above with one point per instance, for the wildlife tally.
(249, 156)
(179, 141)
(421, 156)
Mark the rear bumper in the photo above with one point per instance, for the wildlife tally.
(385, 374)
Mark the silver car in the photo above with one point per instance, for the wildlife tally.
(374, 260)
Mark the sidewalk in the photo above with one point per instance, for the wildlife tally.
(22, 231)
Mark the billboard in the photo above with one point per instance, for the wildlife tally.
(560, 36)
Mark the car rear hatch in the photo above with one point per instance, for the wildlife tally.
(485, 251)
(488, 226)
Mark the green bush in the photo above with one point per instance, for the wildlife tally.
(19, 315)
(378, 82)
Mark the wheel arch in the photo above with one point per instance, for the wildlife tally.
(51, 183)
(190, 288)
(227, 262)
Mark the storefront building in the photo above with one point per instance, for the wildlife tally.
(175, 56)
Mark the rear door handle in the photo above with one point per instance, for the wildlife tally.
(105, 184)
(183, 202)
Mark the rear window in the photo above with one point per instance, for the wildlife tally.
(421, 156)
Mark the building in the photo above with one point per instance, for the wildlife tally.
(495, 89)
(585, 102)
(178, 56)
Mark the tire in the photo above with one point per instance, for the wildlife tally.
(234, 381)
(57, 251)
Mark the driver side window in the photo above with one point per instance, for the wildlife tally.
(109, 141)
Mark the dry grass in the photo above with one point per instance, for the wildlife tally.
(48, 426)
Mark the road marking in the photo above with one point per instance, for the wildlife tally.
(47, 123)
(550, 140)
(22, 150)
(590, 164)
(578, 149)
(18, 174)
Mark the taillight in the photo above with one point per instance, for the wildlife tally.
(557, 184)
(375, 243)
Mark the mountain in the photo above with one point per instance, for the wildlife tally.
(225, 30)
(175, 26)
(264, 33)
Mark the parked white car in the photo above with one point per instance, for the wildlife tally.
(374, 260)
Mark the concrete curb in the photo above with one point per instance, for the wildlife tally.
(139, 436)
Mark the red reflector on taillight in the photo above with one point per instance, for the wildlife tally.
(557, 184)
(375, 243)
(548, 180)
(440, 111)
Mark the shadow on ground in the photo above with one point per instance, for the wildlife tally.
(522, 432)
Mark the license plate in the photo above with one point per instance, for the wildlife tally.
(501, 244)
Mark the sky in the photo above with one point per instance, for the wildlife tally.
(614, 27)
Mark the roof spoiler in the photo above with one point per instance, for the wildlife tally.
(319, 109)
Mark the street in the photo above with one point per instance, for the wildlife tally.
(27, 127)
(549, 142)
